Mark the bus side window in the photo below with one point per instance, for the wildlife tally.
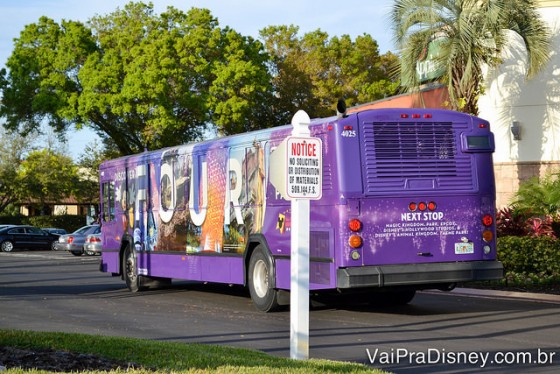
(108, 201)
(181, 186)
(273, 197)
(237, 181)
(254, 179)
(255, 174)
(131, 190)
(166, 193)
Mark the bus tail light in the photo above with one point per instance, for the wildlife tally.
(422, 206)
(417, 115)
(355, 225)
(487, 220)
(355, 241)
(487, 235)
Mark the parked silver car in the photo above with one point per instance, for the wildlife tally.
(93, 245)
(74, 242)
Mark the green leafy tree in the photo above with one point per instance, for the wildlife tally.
(314, 71)
(241, 88)
(13, 147)
(86, 189)
(42, 81)
(292, 85)
(470, 34)
(45, 177)
(140, 80)
(144, 88)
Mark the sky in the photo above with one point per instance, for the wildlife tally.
(248, 17)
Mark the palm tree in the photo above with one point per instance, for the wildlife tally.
(469, 34)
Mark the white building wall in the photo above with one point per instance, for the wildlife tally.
(534, 104)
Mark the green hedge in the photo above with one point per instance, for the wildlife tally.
(530, 255)
(67, 222)
(529, 260)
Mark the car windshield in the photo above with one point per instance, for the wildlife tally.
(85, 229)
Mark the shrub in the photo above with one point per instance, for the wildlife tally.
(530, 262)
(528, 256)
(541, 196)
(538, 200)
(510, 222)
(516, 221)
(68, 222)
(537, 227)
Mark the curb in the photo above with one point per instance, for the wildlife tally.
(493, 294)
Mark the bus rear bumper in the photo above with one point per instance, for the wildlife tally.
(420, 275)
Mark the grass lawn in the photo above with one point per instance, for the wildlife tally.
(170, 356)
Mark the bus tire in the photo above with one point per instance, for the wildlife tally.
(130, 270)
(260, 279)
(401, 297)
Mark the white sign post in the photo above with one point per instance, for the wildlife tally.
(305, 168)
(304, 182)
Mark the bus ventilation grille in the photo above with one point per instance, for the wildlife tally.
(410, 156)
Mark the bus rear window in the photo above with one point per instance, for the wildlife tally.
(479, 143)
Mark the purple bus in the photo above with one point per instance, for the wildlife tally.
(408, 203)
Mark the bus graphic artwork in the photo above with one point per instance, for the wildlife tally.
(407, 203)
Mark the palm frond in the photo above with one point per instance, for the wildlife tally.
(475, 33)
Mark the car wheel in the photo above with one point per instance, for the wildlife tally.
(77, 253)
(7, 246)
(53, 245)
(260, 277)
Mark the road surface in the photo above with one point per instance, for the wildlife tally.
(437, 332)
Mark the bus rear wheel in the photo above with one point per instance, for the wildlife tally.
(130, 270)
(400, 297)
(260, 279)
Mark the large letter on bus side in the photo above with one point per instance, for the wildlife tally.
(199, 217)
(167, 213)
(232, 196)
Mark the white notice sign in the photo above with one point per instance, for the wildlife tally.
(305, 168)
